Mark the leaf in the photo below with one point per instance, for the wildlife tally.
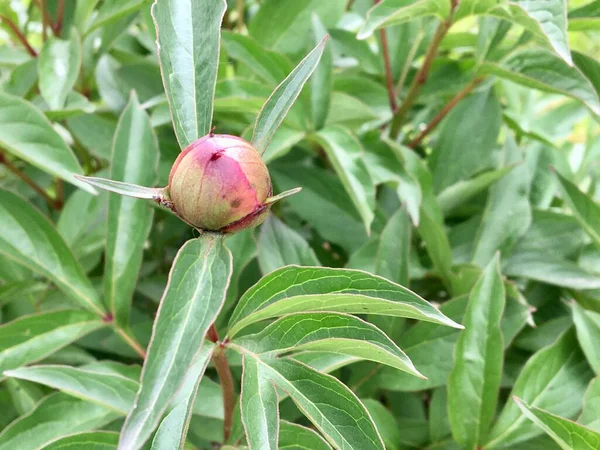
(393, 12)
(24, 395)
(542, 70)
(586, 210)
(298, 289)
(259, 407)
(554, 379)
(188, 50)
(29, 239)
(281, 196)
(507, 214)
(386, 423)
(173, 428)
(283, 97)
(587, 325)
(345, 153)
(58, 65)
(327, 332)
(461, 192)
(474, 382)
(283, 141)
(568, 434)
(590, 415)
(26, 133)
(112, 10)
(332, 408)
(56, 416)
(128, 189)
(585, 17)
(458, 153)
(98, 440)
(296, 437)
(392, 260)
(436, 241)
(192, 299)
(32, 338)
(321, 82)
(280, 245)
(112, 391)
(134, 160)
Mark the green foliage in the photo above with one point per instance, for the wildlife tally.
(434, 285)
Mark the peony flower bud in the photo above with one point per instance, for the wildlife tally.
(220, 183)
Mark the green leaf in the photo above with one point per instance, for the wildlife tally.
(321, 82)
(259, 407)
(58, 65)
(113, 391)
(458, 153)
(392, 260)
(57, 415)
(134, 160)
(432, 231)
(112, 10)
(569, 435)
(474, 382)
(283, 141)
(24, 395)
(22, 79)
(296, 437)
(280, 245)
(327, 332)
(188, 49)
(507, 214)
(98, 440)
(303, 289)
(193, 297)
(28, 238)
(586, 210)
(464, 190)
(345, 153)
(393, 12)
(26, 133)
(173, 428)
(32, 338)
(554, 379)
(587, 324)
(590, 415)
(128, 189)
(586, 17)
(540, 69)
(386, 423)
(332, 408)
(283, 97)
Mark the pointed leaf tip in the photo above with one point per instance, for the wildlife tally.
(118, 187)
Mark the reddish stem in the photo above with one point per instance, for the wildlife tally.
(385, 51)
(19, 35)
(60, 13)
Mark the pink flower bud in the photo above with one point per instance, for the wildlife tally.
(220, 183)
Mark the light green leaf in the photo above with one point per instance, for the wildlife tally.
(128, 189)
(55, 416)
(58, 66)
(298, 289)
(327, 332)
(569, 435)
(173, 428)
(590, 417)
(464, 190)
(280, 245)
(188, 50)
(134, 160)
(554, 379)
(259, 407)
(112, 10)
(283, 141)
(345, 153)
(193, 297)
(586, 210)
(585, 18)
(283, 97)
(507, 214)
(332, 408)
(22, 79)
(111, 390)
(23, 394)
(474, 382)
(540, 69)
(28, 238)
(96, 440)
(393, 12)
(321, 82)
(587, 324)
(26, 133)
(32, 338)
(296, 437)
